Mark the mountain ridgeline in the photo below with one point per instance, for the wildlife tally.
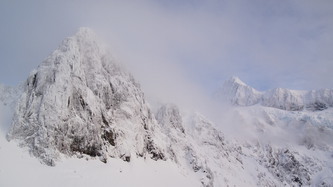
(238, 93)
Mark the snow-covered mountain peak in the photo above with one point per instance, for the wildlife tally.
(78, 101)
(85, 36)
(236, 80)
(237, 92)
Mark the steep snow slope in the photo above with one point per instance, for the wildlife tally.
(195, 144)
(78, 101)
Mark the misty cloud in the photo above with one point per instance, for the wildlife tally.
(182, 50)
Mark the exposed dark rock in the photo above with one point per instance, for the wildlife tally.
(109, 136)
(316, 106)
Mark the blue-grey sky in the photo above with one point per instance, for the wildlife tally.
(172, 45)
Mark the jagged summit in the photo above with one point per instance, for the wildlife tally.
(85, 33)
(237, 92)
(236, 80)
(79, 101)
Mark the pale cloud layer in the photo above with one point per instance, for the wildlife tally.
(182, 48)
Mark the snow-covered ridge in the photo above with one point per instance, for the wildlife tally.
(238, 93)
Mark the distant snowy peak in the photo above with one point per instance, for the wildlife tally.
(236, 80)
(238, 93)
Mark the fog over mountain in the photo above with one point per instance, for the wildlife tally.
(80, 108)
(166, 93)
(267, 44)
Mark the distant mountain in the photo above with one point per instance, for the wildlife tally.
(238, 93)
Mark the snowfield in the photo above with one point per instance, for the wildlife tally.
(19, 168)
(81, 120)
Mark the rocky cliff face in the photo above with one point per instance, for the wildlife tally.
(78, 101)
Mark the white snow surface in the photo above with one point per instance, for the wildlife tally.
(19, 168)
(85, 116)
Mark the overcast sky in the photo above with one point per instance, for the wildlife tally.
(181, 45)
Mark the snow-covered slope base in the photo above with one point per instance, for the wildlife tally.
(18, 168)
